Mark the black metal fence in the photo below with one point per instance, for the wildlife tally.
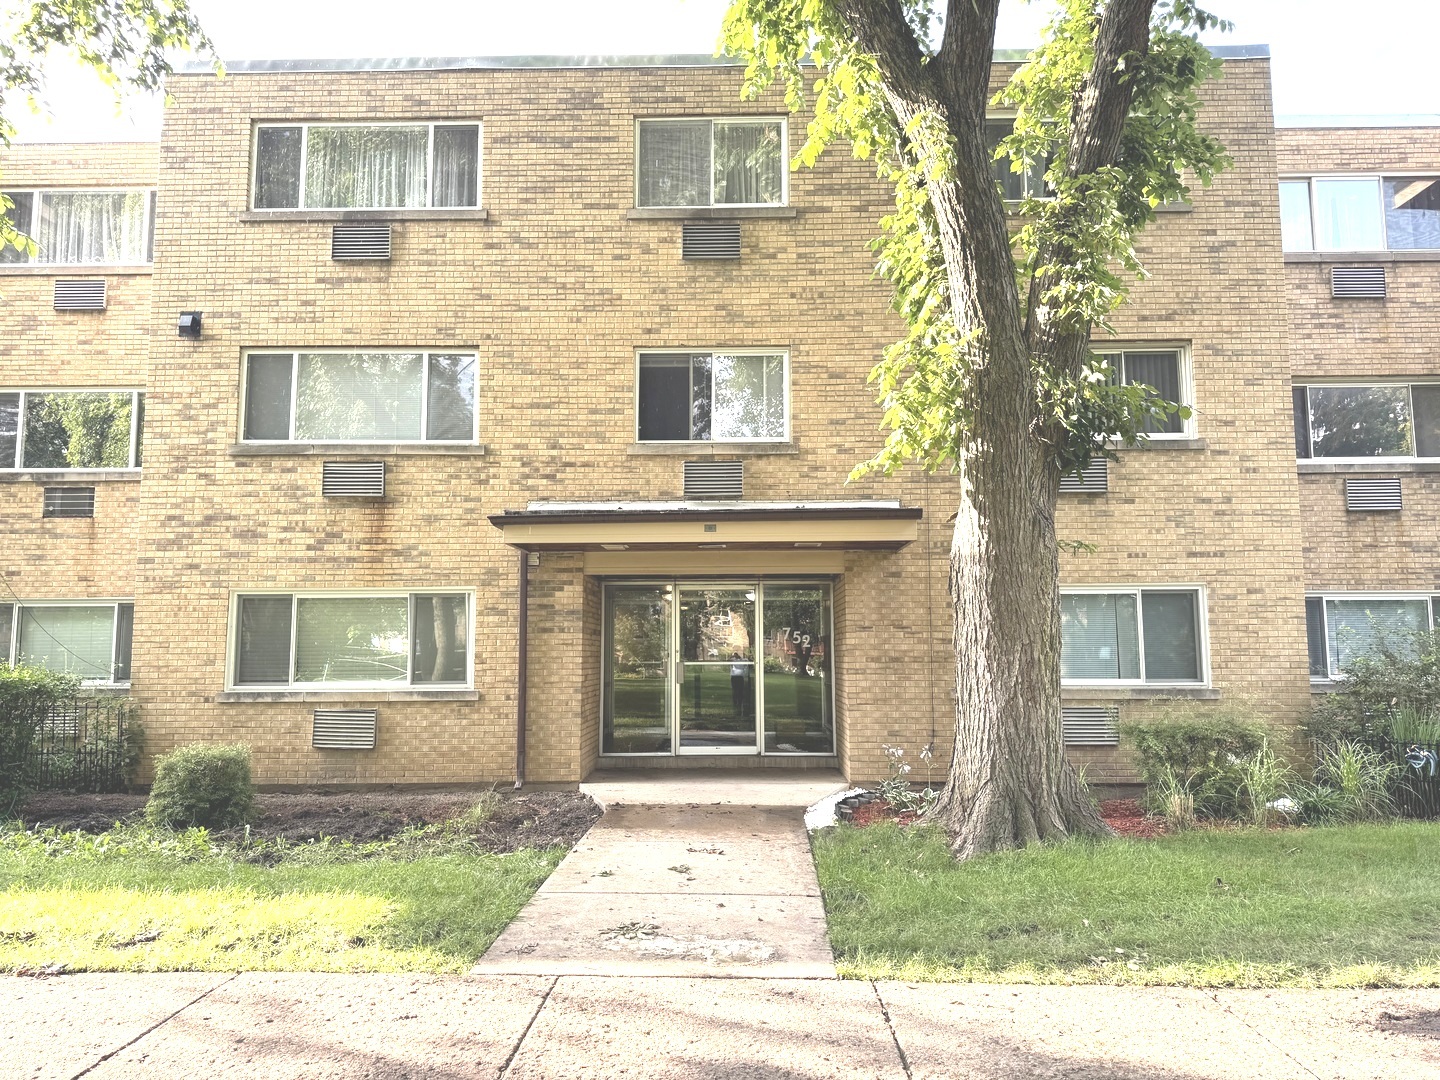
(1417, 791)
(85, 744)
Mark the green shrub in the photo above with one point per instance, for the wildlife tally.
(1198, 753)
(1265, 779)
(1352, 784)
(202, 784)
(26, 695)
(1398, 677)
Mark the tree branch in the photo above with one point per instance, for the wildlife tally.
(1122, 42)
(966, 52)
(881, 29)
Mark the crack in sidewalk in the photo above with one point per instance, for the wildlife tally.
(158, 1024)
(515, 1050)
(1211, 994)
(894, 1035)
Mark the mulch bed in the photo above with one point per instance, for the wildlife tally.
(1123, 815)
(523, 819)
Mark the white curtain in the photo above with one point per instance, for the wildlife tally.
(351, 639)
(674, 163)
(359, 396)
(1295, 232)
(1099, 636)
(71, 639)
(748, 169)
(1348, 215)
(363, 167)
(76, 228)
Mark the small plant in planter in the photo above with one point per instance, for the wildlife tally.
(896, 790)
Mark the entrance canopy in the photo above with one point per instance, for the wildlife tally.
(652, 526)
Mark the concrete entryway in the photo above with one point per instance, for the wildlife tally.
(686, 874)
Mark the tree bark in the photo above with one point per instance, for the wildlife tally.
(1010, 783)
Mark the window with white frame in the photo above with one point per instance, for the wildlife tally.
(1132, 635)
(343, 641)
(1360, 213)
(339, 396)
(1345, 626)
(1166, 371)
(1367, 420)
(89, 638)
(70, 429)
(87, 227)
(712, 396)
(1015, 184)
(738, 161)
(366, 166)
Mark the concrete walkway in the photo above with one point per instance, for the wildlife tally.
(380, 1026)
(687, 874)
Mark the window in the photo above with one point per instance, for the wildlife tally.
(89, 639)
(70, 429)
(1342, 627)
(1360, 213)
(342, 642)
(1164, 370)
(366, 166)
(1014, 186)
(1132, 636)
(360, 397)
(700, 397)
(83, 228)
(735, 162)
(1392, 420)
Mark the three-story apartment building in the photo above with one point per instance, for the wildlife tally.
(495, 420)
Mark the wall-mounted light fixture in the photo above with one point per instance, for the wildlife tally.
(189, 325)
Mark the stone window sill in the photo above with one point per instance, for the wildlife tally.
(712, 449)
(1325, 686)
(1347, 257)
(339, 698)
(1138, 693)
(707, 213)
(70, 476)
(434, 213)
(301, 449)
(1314, 468)
(1167, 444)
(19, 270)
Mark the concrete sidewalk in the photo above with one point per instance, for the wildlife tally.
(303, 1025)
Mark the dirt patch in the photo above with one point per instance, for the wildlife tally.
(526, 819)
(1123, 815)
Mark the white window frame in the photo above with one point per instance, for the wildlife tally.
(1202, 638)
(1380, 178)
(232, 640)
(1352, 385)
(1038, 196)
(1430, 599)
(1187, 380)
(18, 466)
(10, 650)
(782, 120)
(29, 229)
(295, 354)
(430, 125)
(784, 355)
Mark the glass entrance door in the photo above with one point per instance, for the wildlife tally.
(715, 672)
(725, 668)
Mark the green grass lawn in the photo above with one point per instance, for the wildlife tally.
(142, 904)
(1352, 906)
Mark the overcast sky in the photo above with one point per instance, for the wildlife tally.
(1330, 57)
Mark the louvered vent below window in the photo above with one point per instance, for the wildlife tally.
(1357, 282)
(714, 479)
(353, 480)
(343, 729)
(62, 721)
(69, 502)
(710, 240)
(85, 294)
(1372, 494)
(349, 241)
(1095, 478)
(1087, 725)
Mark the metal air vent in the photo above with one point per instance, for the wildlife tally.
(1368, 494)
(353, 480)
(1090, 725)
(69, 502)
(84, 294)
(714, 479)
(62, 721)
(1357, 282)
(1093, 479)
(343, 729)
(710, 240)
(352, 241)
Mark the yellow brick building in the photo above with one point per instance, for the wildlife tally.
(607, 357)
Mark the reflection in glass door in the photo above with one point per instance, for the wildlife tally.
(796, 691)
(716, 673)
(637, 670)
